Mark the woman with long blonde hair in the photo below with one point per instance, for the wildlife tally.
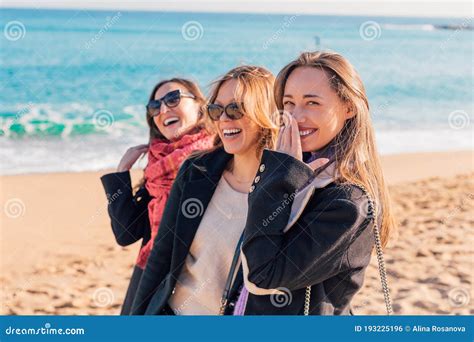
(319, 203)
(192, 267)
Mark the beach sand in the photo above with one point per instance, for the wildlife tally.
(58, 254)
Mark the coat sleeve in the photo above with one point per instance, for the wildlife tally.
(159, 261)
(315, 248)
(128, 213)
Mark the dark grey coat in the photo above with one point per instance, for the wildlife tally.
(304, 231)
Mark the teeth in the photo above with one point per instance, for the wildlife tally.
(308, 131)
(171, 120)
(231, 131)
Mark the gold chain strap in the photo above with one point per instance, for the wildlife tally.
(372, 209)
(222, 308)
(307, 299)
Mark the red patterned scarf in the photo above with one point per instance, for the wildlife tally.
(164, 160)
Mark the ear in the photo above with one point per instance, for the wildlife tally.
(350, 113)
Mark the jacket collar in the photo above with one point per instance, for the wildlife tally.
(302, 197)
(211, 164)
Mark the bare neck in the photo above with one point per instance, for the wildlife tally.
(245, 166)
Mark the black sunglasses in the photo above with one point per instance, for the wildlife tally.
(233, 111)
(171, 100)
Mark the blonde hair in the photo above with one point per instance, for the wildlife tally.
(254, 93)
(357, 160)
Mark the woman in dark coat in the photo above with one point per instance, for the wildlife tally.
(188, 271)
(176, 121)
(318, 204)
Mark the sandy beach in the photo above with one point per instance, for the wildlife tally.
(58, 254)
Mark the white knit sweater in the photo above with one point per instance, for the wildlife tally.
(202, 280)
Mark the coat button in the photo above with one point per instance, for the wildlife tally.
(257, 179)
(252, 188)
(262, 168)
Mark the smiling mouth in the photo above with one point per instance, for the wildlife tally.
(307, 132)
(230, 133)
(170, 121)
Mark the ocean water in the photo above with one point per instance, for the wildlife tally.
(74, 84)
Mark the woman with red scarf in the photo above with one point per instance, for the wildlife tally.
(177, 128)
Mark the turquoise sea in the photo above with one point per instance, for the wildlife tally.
(74, 83)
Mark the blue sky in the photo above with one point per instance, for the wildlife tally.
(442, 8)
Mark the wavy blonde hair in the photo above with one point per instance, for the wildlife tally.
(357, 160)
(254, 92)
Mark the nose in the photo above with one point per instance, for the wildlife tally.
(163, 108)
(298, 114)
(224, 117)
